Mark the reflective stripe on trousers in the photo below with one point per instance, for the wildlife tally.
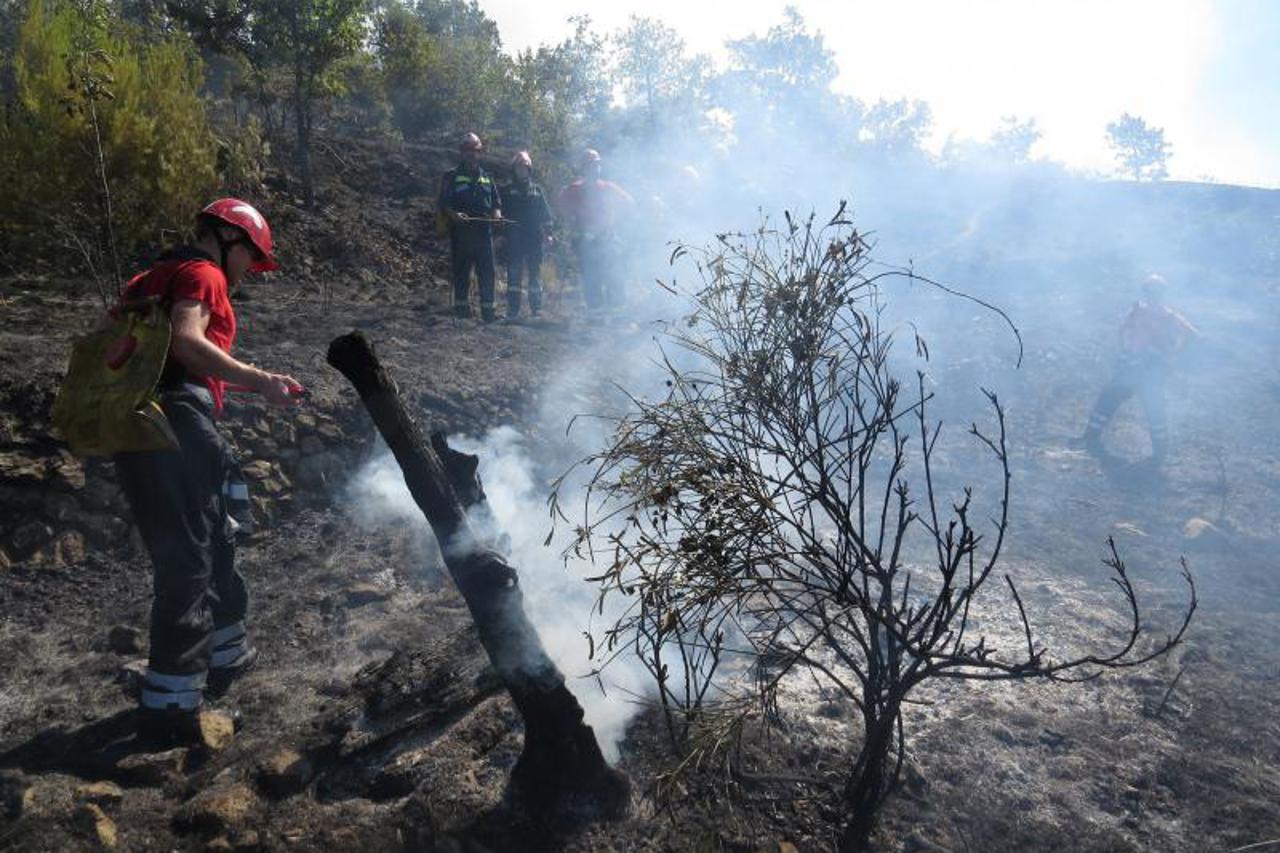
(164, 692)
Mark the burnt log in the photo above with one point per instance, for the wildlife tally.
(561, 767)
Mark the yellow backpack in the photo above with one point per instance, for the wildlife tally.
(107, 402)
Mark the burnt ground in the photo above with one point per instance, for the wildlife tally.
(373, 722)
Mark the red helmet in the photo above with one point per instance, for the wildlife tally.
(471, 142)
(246, 217)
(522, 158)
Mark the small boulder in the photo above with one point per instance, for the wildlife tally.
(126, 640)
(360, 594)
(153, 768)
(100, 793)
(93, 822)
(217, 730)
(218, 810)
(284, 772)
(70, 549)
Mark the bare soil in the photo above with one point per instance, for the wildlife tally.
(371, 672)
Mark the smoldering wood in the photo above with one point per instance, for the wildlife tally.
(561, 766)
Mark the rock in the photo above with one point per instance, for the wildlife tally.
(360, 594)
(284, 772)
(258, 469)
(100, 793)
(305, 421)
(130, 676)
(69, 471)
(1204, 533)
(5, 562)
(272, 486)
(218, 810)
(70, 549)
(221, 844)
(28, 537)
(92, 821)
(153, 768)
(126, 640)
(217, 730)
(13, 791)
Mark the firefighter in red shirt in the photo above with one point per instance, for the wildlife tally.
(594, 210)
(1150, 336)
(179, 498)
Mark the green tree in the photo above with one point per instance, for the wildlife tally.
(294, 47)
(309, 38)
(1013, 140)
(1140, 149)
(107, 126)
(557, 94)
(655, 73)
(895, 128)
(442, 64)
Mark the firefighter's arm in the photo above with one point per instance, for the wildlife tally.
(444, 202)
(189, 320)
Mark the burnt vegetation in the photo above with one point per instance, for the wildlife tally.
(777, 514)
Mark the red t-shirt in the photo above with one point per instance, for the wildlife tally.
(203, 281)
(593, 207)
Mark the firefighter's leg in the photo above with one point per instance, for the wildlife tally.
(232, 652)
(485, 273)
(589, 269)
(533, 260)
(174, 497)
(461, 259)
(515, 266)
(1117, 391)
(1153, 405)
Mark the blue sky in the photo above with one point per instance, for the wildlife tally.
(1207, 71)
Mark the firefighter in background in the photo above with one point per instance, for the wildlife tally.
(1150, 336)
(179, 498)
(594, 210)
(470, 200)
(528, 228)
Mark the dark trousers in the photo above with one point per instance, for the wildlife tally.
(1146, 381)
(524, 259)
(472, 247)
(178, 503)
(599, 262)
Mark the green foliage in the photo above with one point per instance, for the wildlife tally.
(555, 93)
(89, 86)
(442, 63)
(655, 74)
(1139, 148)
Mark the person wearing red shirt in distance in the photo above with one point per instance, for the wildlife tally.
(179, 498)
(1151, 335)
(594, 210)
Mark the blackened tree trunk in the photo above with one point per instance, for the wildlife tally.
(561, 766)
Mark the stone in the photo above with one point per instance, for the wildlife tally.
(218, 810)
(126, 640)
(217, 730)
(100, 793)
(5, 561)
(305, 421)
(360, 594)
(258, 469)
(69, 471)
(153, 768)
(93, 821)
(221, 844)
(70, 549)
(284, 772)
(29, 537)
